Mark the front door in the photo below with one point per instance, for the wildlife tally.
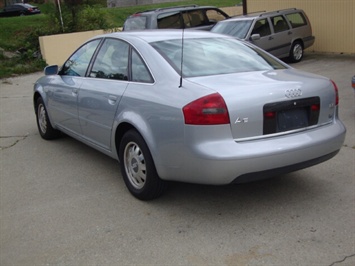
(102, 90)
(63, 96)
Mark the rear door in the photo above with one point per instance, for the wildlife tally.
(282, 37)
(275, 35)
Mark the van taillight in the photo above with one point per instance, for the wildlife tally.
(208, 110)
(336, 93)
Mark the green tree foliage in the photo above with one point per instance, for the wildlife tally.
(79, 15)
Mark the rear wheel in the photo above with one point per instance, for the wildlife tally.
(296, 53)
(44, 126)
(138, 169)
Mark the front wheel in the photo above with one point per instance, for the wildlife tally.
(44, 125)
(296, 53)
(138, 169)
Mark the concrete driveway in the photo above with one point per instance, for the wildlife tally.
(63, 203)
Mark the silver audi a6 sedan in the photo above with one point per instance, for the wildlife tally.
(205, 109)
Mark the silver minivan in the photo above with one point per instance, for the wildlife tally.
(283, 33)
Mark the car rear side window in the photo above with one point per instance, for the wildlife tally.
(296, 19)
(140, 72)
(111, 61)
(279, 23)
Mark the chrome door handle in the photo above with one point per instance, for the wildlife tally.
(112, 99)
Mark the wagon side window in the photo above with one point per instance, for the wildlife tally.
(262, 27)
(279, 23)
(296, 20)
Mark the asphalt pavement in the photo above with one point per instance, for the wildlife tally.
(63, 203)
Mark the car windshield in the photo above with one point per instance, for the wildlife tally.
(214, 56)
(237, 29)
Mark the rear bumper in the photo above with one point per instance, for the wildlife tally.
(224, 161)
(308, 41)
(254, 176)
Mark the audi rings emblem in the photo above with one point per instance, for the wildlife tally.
(293, 93)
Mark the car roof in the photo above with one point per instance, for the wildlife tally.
(162, 35)
(260, 14)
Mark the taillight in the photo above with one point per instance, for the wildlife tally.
(336, 93)
(269, 115)
(315, 107)
(208, 110)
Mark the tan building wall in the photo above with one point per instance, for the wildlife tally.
(55, 49)
(333, 21)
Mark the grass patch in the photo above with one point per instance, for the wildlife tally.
(23, 32)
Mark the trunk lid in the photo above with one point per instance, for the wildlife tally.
(292, 95)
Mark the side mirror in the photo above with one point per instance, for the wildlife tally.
(255, 37)
(51, 70)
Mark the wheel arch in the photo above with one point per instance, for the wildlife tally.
(299, 40)
(36, 95)
(142, 129)
(121, 129)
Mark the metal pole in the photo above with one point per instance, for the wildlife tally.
(245, 9)
(60, 14)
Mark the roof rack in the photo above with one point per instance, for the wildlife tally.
(172, 7)
(277, 11)
(244, 15)
(165, 8)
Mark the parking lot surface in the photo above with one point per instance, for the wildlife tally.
(63, 203)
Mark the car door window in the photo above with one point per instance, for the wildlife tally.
(262, 27)
(140, 72)
(111, 61)
(279, 23)
(196, 18)
(214, 16)
(78, 63)
(170, 20)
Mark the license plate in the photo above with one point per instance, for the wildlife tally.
(292, 119)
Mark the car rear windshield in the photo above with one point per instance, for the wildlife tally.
(234, 28)
(214, 56)
(136, 22)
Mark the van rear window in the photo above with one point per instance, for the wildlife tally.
(135, 23)
(296, 19)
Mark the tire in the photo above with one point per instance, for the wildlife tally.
(138, 169)
(296, 52)
(44, 125)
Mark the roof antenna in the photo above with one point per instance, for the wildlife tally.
(182, 46)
